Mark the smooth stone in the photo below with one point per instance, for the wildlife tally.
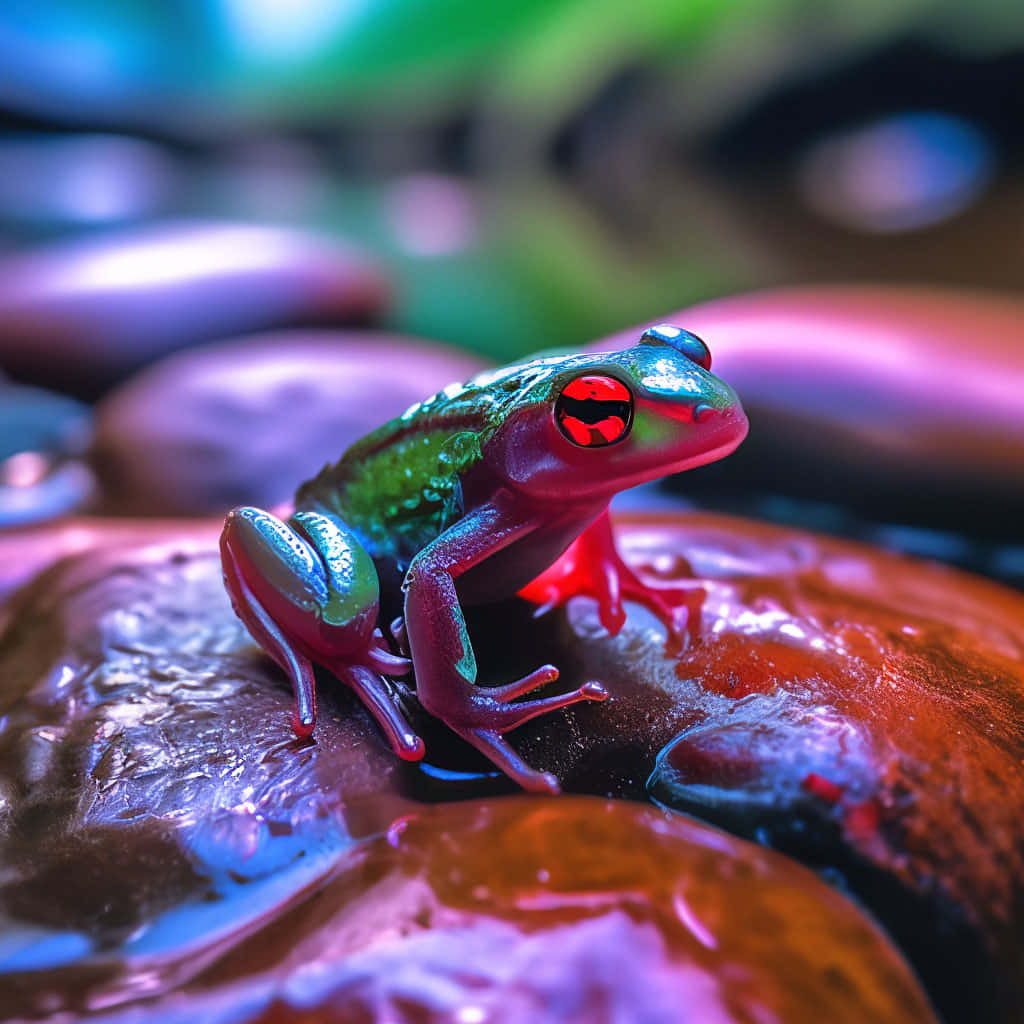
(154, 802)
(903, 402)
(42, 436)
(80, 316)
(861, 711)
(29, 549)
(531, 909)
(247, 421)
(50, 180)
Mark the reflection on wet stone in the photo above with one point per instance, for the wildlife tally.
(852, 708)
(157, 799)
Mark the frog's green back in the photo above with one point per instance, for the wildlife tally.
(400, 486)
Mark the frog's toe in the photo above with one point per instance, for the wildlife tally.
(505, 717)
(536, 679)
(372, 691)
(498, 751)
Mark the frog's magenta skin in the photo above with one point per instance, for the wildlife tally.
(466, 498)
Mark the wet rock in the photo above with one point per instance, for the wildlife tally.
(80, 316)
(246, 421)
(527, 909)
(154, 801)
(901, 402)
(860, 711)
(26, 551)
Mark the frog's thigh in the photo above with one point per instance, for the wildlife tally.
(280, 567)
(349, 572)
(255, 552)
(309, 574)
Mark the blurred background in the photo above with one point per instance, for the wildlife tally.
(500, 178)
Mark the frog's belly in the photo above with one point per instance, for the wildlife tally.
(506, 572)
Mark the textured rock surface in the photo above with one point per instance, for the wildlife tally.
(899, 401)
(155, 801)
(859, 711)
(244, 422)
(79, 316)
(863, 712)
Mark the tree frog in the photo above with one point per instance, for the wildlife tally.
(466, 498)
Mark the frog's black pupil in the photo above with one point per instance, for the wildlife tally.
(593, 410)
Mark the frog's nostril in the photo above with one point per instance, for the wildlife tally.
(702, 412)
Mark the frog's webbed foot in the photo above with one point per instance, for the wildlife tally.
(307, 592)
(492, 716)
(482, 714)
(594, 568)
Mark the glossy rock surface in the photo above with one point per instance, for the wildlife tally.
(901, 401)
(154, 799)
(80, 316)
(29, 549)
(245, 421)
(859, 711)
(862, 712)
(584, 911)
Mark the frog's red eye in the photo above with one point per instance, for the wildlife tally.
(594, 410)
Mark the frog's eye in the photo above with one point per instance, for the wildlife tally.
(594, 410)
(685, 342)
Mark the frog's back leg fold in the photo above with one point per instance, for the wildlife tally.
(308, 592)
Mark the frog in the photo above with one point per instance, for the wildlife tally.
(462, 500)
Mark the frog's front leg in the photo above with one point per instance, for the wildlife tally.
(593, 567)
(443, 655)
(308, 592)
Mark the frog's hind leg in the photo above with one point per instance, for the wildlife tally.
(307, 591)
(268, 635)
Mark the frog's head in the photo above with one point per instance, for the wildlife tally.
(591, 425)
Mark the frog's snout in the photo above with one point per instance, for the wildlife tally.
(734, 422)
(722, 421)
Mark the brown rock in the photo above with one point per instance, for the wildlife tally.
(860, 711)
(575, 910)
(246, 421)
(155, 801)
(26, 551)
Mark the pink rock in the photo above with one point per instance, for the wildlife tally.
(247, 421)
(79, 316)
(872, 394)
